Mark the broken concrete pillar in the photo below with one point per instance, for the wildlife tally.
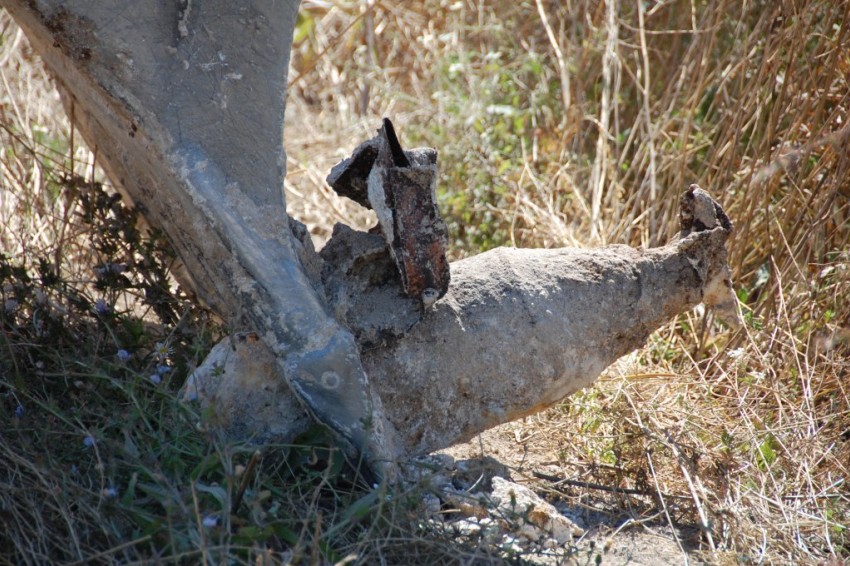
(518, 331)
(183, 103)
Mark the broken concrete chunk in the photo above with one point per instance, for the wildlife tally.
(699, 212)
(363, 288)
(233, 388)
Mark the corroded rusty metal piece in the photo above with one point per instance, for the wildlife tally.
(348, 178)
(401, 188)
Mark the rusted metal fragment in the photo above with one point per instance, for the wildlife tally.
(402, 190)
(400, 186)
(396, 156)
(348, 178)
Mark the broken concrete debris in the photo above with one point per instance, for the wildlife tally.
(497, 511)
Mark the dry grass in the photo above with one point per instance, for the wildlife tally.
(575, 123)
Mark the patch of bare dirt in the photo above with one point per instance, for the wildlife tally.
(609, 527)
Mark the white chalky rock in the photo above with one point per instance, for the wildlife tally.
(529, 531)
(468, 526)
(521, 504)
(431, 504)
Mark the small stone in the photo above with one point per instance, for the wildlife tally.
(529, 531)
(430, 471)
(232, 381)
(511, 544)
(466, 504)
(431, 504)
(446, 461)
(468, 526)
(472, 510)
(517, 502)
(563, 530)
(476, 474)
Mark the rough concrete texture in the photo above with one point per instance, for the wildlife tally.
(184, 104)
(242, 372)
(518, 330)
(699, 212)
(358, 274)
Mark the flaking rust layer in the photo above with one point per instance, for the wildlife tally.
(401, 187)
